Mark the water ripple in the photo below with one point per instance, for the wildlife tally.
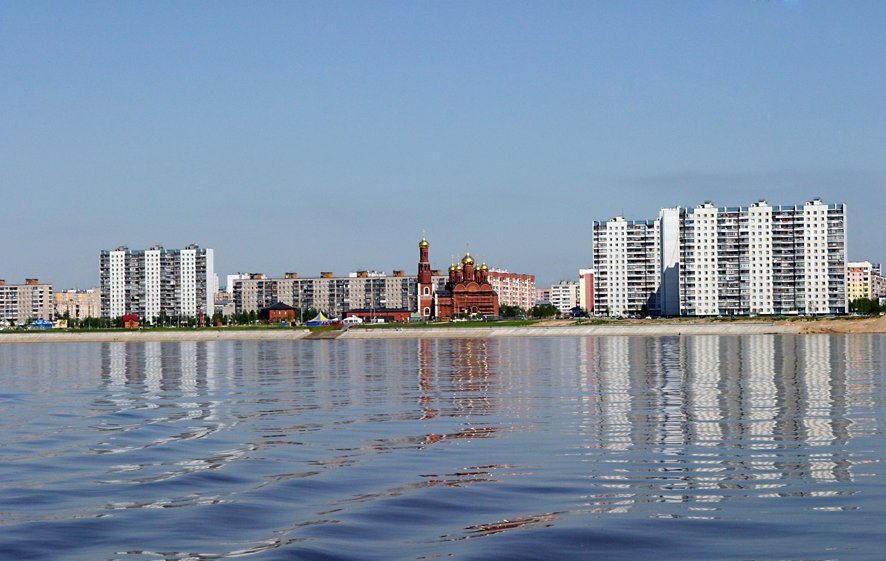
(761, 448)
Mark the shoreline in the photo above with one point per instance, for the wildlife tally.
(865, 325)
(669, 329)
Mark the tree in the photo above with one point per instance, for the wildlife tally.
(865, 306)
(506, 311)
(543, 311)
(307, 314)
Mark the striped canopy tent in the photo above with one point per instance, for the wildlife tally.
(319, 320)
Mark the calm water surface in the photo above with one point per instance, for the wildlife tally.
(667, 448)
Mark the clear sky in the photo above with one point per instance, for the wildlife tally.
(309, 136)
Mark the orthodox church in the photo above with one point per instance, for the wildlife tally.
(466, 292)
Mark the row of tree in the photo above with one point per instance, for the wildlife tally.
(539, 311)
(164, 320)
(252, 318)
(867, 306)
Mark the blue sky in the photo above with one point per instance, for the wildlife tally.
(309, 136)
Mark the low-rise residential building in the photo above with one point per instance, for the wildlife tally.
(78, 304)
(224, 303)
(514, 289)
(278, 312)
(564, 295)
(543, 295)
(860, 279)
(22, 303)
(379, 316)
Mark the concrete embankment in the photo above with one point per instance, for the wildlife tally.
(156, 336)
(652, 328)
(743, 328)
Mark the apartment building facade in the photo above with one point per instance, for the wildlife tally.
(878, 285)
(710, 260)
(860, 277)
(20, 303)
(586, 290)
(513, 289)
(627, 265)
(565, 295)
(157, 281)
(79, 304)
(333, 295)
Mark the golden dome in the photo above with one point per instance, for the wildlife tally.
(467, 260)
(453, 268)
(423, 244)
(458, 267)
(484, 267)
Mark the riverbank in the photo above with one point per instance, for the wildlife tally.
(654, 329)
(543, 329)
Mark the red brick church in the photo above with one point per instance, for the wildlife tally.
(466, 292)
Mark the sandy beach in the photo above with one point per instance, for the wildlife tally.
(546, 329)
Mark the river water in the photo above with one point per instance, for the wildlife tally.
(669, 448)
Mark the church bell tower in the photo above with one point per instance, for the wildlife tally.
(425, 296)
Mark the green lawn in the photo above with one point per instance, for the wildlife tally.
(514, 323)
(153, 329)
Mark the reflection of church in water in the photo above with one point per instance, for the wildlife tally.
(660, 419)
(458, 379)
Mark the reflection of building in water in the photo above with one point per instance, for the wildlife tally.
(455, 379)
(863, 353)
(139, 372)
(615, 392)
(717, 413)
(426, 379)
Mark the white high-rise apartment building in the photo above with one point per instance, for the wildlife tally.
(712, 260)
(155, 281)
(700, 243)
(760, 259)
(816, 272)
(627, 262)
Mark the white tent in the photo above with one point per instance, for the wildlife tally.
(352, 320)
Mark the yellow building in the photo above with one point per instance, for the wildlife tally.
(79, 304)
(859, 279)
